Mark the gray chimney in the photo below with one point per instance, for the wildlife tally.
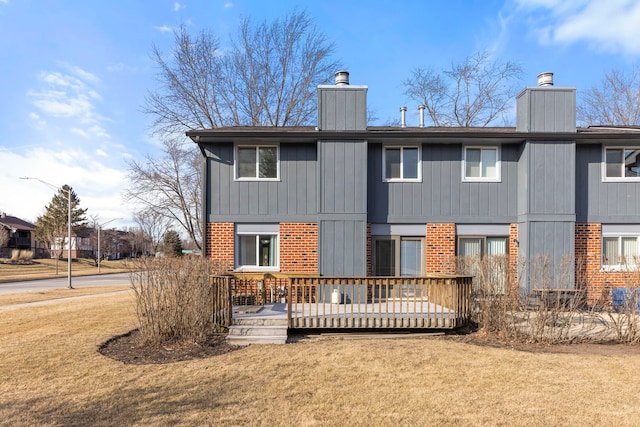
(342, 107)
(545, 107)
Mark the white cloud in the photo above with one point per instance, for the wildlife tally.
(228, 5)
(35, 118)
(101, 153)
(67, 96)
(163, 29)
(177, 6)
(610, 26)
(4, 1)
(97, 185)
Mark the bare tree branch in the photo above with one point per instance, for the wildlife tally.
(475, 92)
(170, 186)
(615, 102)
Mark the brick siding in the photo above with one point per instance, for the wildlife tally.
(220, 243)
(589, 273)
(441, 248)
(298, 247)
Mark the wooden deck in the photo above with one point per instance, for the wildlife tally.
(433, 302)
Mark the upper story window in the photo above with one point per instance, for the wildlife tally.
(481, 164)
(621, 164)
(401, 164)
(257, 162)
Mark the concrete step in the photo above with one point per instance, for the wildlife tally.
(257, 334)
(245, 330)
(246, 340)
(252, 321)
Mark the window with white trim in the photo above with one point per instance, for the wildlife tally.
(620, 252)
(485, 258)
(481, 164)
(257, 162)
(401, 164)
(256, 247)
(621, 163)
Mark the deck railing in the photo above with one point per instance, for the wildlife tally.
(221, 301)
(351, 302)
(379, 302)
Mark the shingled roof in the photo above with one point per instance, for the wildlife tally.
(15, 223)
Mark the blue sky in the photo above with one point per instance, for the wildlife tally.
(73, 74)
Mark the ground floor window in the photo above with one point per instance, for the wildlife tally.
(485, 258)
(481, 246)
(257, 247)
(398, 256)
(620, 251)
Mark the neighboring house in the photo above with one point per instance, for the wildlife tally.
(347, 199)
(20, 234)
(116, 244)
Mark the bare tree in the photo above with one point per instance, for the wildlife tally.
(267, 78)
(476, 92)
(153, 226)
(170, 187)
(615, 102)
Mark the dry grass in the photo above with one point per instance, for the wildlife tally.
(53, 294)
(46, 269)
(51, 374)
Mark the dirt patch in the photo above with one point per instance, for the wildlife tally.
(128, 349)
(601, 349)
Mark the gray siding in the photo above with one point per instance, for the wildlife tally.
(551, 242)
(343, 248)
(343, 176)
(292, 198)
(547, 179)
(546, 109)
(598, 201)
(342, 107)
(442, 196)
(546, 211)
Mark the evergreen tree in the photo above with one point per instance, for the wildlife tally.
(52, 226)
(172, 244)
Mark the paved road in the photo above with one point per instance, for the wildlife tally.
(61, 282)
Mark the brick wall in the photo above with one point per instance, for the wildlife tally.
(220, 243)
(589, 274)
(298, 247)
(513, 256)
(441, 248)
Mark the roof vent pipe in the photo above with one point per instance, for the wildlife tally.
(403, 121)
(545, 79)
(421, 110)
(342, 78)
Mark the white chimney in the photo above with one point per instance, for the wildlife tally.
(403, 121)
(342, 77)
(545, 79)
(421, 110)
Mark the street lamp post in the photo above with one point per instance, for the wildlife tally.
(69, 285)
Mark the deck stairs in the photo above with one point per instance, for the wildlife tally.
(257, 325)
